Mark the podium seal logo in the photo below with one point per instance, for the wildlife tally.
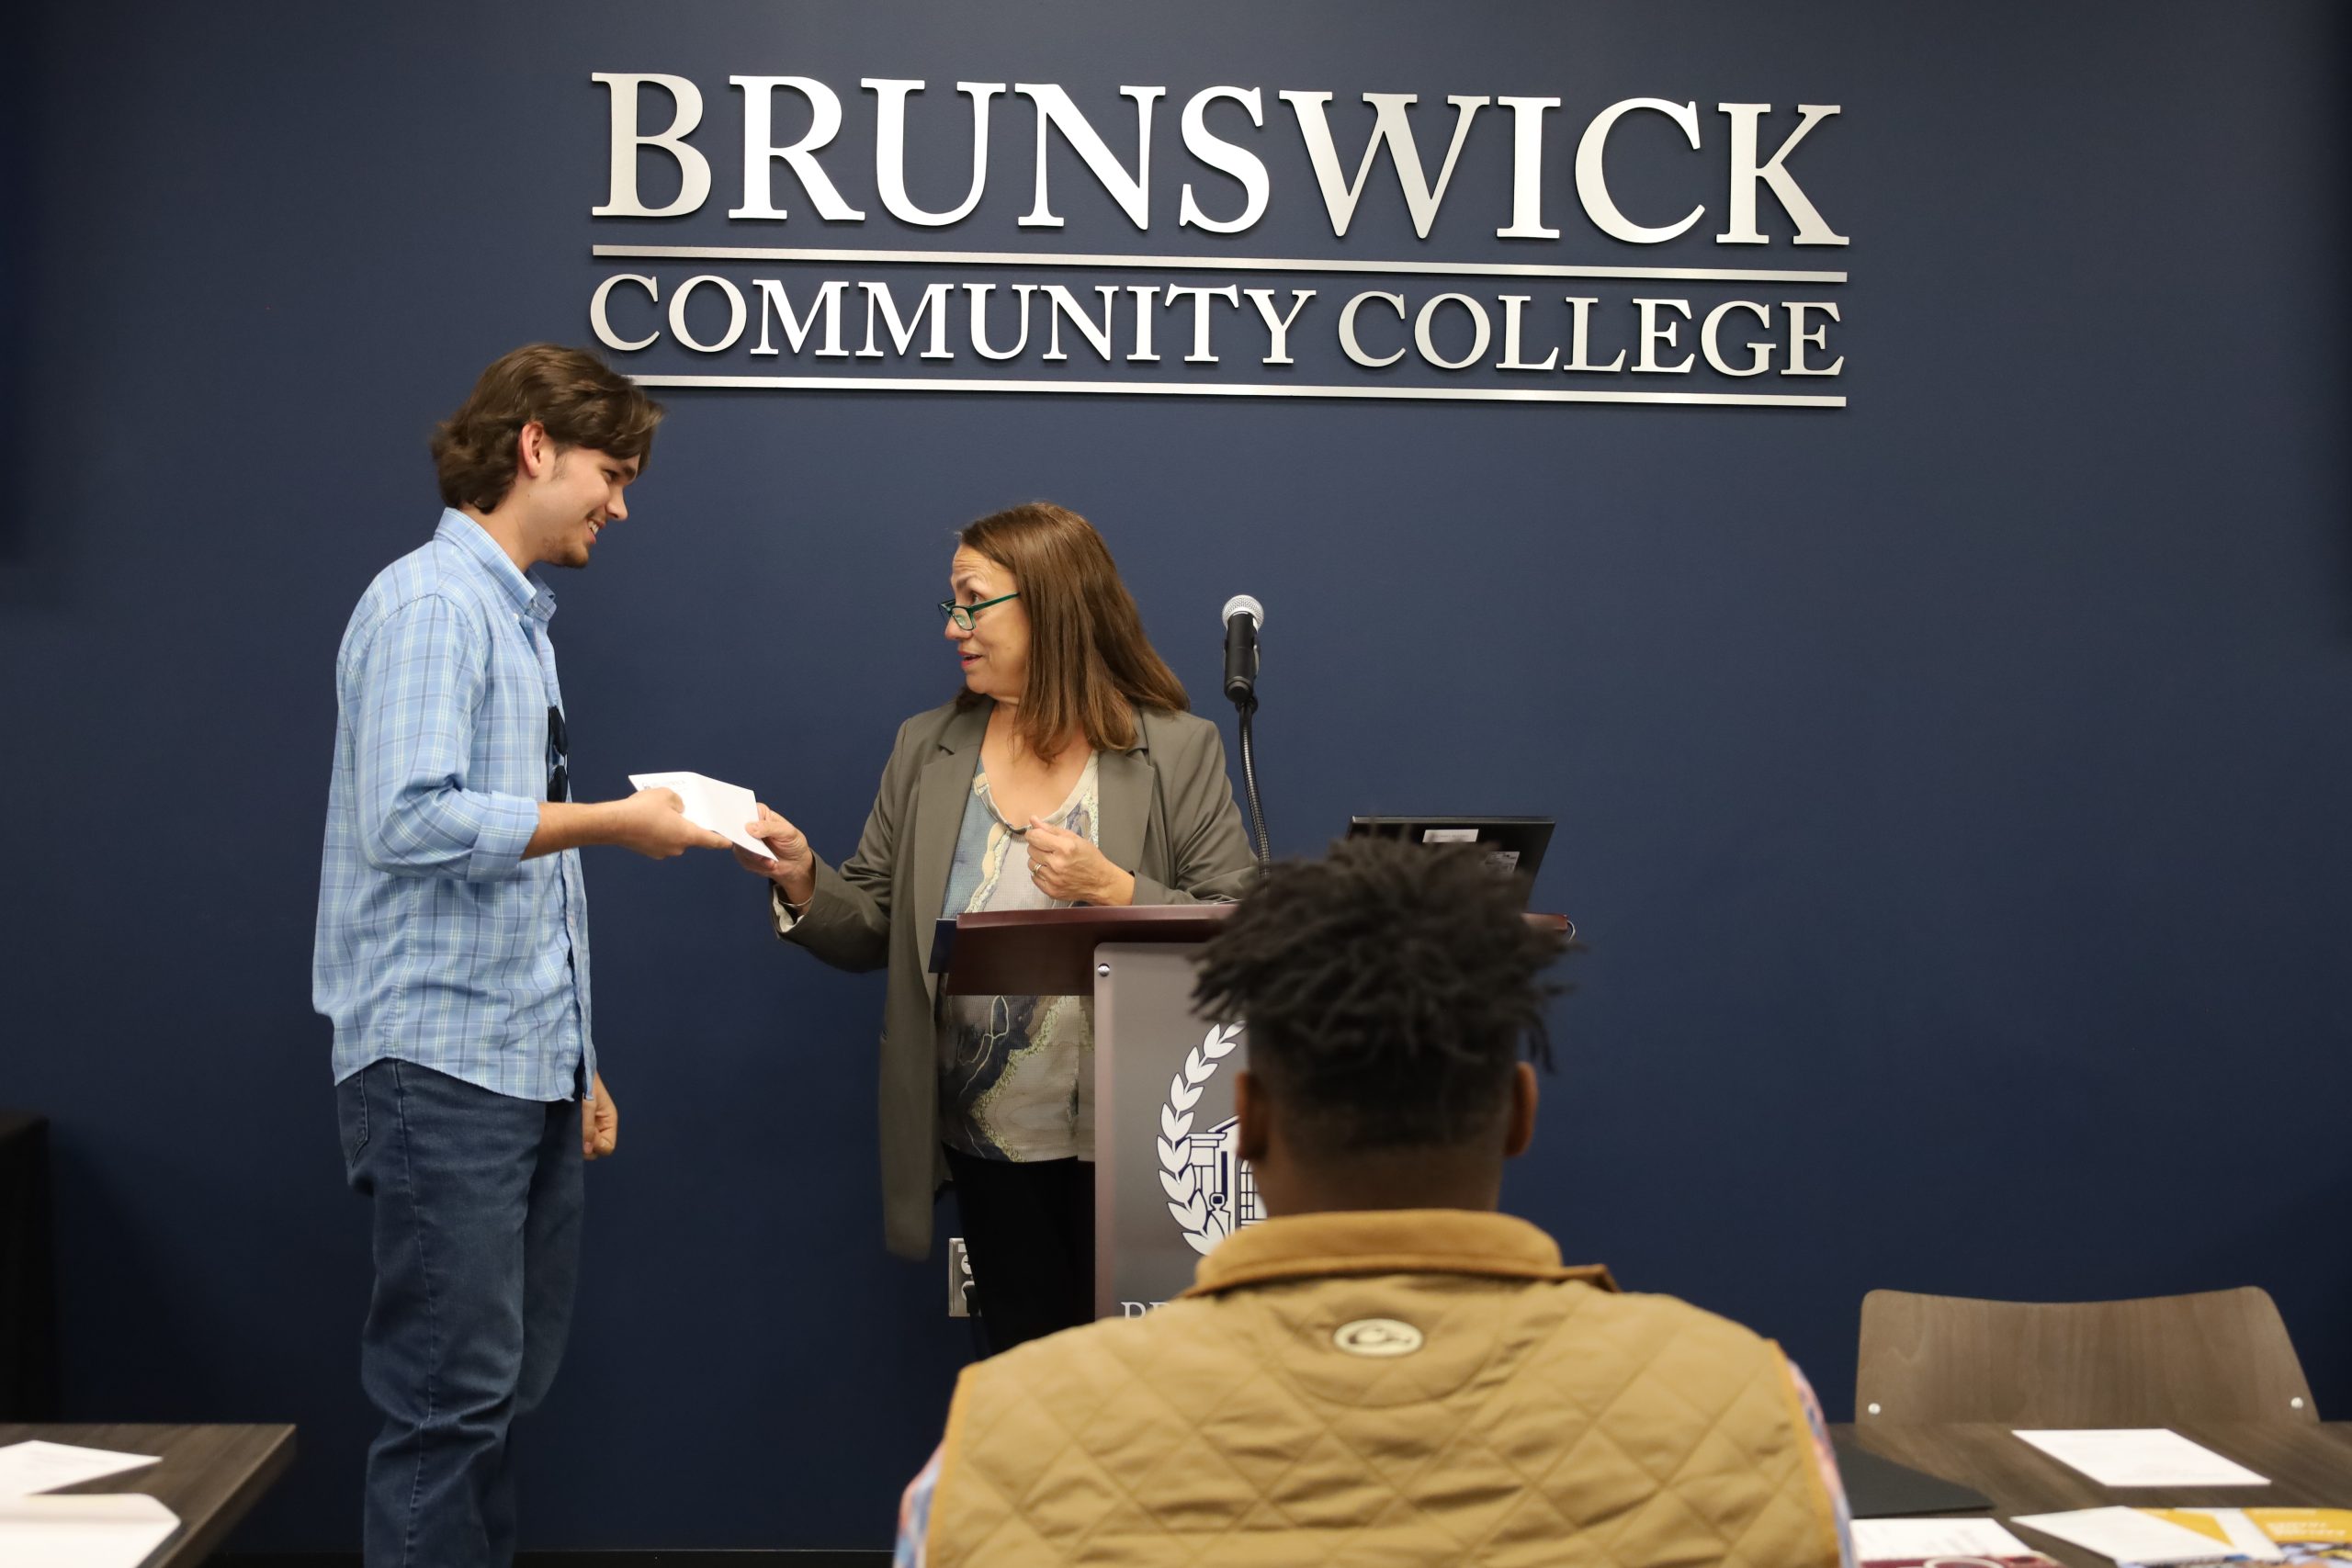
(1211, 1193)
(1377, 1336)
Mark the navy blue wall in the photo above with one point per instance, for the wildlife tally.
(1952, 787)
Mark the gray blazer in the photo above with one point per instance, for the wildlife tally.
(1167, 819)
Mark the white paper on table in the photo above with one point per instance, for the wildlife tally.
(2127, 1535)
(38, 1466)
(107, 1530)
(1908, 1540)
(721, 808)
(2142, 1456)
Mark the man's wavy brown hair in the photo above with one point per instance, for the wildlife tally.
(579, 400)
(1090, 664)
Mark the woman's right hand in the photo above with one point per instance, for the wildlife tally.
(793, 869)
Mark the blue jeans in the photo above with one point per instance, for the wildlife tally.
(477, 1202)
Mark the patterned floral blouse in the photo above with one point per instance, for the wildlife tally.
(1016, 1073)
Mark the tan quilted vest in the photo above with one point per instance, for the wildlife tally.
(1543, 1418)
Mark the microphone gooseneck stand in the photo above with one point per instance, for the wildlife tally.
(1243, 617)
(1248, 707)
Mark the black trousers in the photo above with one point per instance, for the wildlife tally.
(1029, 1229)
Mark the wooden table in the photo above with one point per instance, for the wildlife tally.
(2309, 1464)
(208, 1475)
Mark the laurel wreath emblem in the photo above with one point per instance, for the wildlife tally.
(1187, 1205)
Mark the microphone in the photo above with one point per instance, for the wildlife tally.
(1243, 616)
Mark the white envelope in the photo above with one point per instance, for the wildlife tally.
(721, 808)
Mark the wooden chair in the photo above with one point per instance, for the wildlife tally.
(2216, 1356)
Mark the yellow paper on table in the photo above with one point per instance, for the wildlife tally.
(2238, 1535)
(2305, 1526)
(2195, 1519)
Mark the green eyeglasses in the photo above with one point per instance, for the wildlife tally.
(961, 613)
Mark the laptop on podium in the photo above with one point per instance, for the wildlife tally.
(1514, 845)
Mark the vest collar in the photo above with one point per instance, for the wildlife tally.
(1387, 1241)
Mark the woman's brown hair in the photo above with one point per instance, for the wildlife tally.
(1090, 664)
(576, 397)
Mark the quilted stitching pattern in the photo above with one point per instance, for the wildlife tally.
(1542, 1423)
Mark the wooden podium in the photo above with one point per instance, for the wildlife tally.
(1169, 1184)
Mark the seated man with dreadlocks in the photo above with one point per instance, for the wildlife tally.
(1386, 1370)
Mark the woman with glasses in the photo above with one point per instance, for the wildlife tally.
(1067, 771)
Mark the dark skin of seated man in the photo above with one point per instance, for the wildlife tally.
(1386, 1369)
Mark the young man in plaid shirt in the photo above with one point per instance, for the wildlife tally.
(452, 949)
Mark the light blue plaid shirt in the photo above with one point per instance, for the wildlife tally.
(437, 942)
